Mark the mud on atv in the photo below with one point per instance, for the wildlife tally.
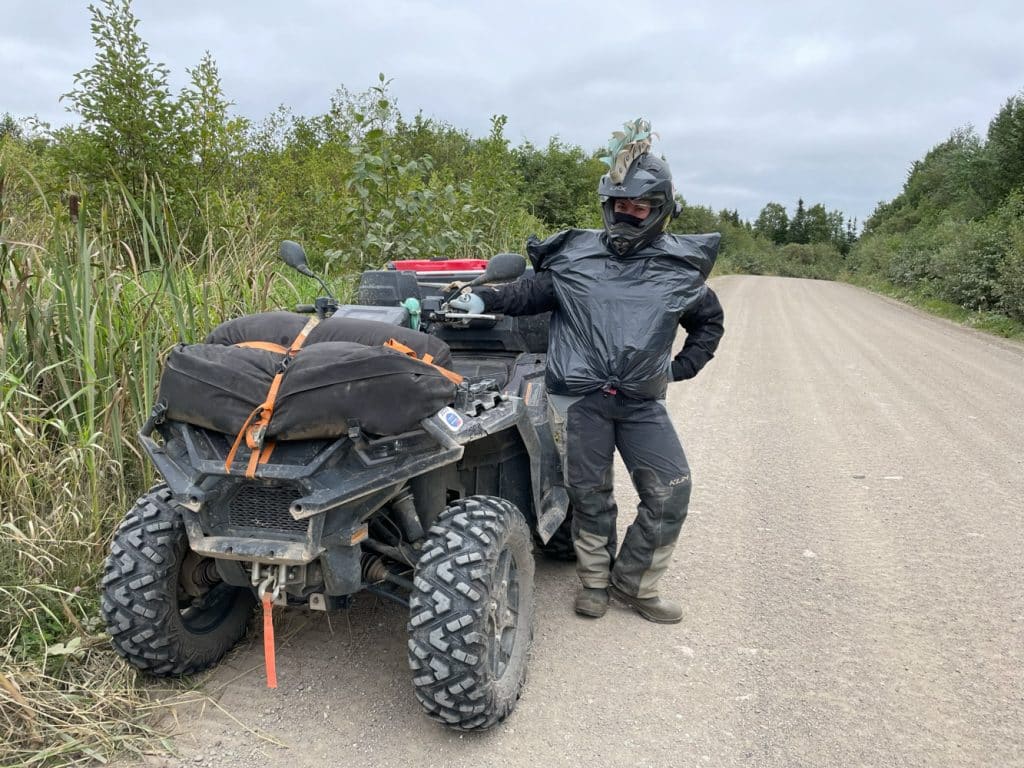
(440, 518)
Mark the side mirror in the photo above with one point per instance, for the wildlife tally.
(502, 268)
(294, 256)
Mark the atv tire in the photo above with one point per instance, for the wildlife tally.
(152, 620)
(471, 614)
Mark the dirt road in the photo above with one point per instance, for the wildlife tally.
(852, 571)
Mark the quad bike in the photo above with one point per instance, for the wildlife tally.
(440, 519)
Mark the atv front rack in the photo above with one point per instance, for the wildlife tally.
(331, 473)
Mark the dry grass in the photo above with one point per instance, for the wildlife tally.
(74, 709)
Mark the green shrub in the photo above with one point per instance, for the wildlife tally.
(964, 265)
(1010, 269)
(820, 261)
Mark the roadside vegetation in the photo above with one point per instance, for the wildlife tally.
(953, 240)
(157, 214)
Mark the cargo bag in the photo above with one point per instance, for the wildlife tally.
(279, 328)
(216, 387)
(271, 327)
(374, 334)
(325, 389)
(333, 384)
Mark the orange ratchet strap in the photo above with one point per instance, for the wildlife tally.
(427, 358)
(255, 426)
(269, 656)
(266, 346)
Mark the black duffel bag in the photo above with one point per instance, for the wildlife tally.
(326, 388)
(332, 384)
(282, 327)
(214, 386)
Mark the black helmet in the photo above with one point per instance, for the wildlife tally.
(647, 178)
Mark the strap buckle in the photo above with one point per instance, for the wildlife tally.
(255, 437)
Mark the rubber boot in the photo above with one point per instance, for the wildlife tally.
(656, 609)
(592, 602)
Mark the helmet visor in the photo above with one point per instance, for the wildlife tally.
(634, 206)
(651, 200)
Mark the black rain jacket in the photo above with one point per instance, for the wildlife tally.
(614, 319)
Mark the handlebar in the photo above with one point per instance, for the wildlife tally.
(324, 307)
(460, 319)
(456, 316)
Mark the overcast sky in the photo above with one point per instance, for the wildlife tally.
(754, 102)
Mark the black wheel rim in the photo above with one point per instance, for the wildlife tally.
(503, 613)
(200, 615)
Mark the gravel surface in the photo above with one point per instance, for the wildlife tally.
(852, 572)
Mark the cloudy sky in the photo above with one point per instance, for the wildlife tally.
(754, 102)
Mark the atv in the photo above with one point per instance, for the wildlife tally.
(442, 519)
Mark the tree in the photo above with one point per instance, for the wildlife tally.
(946, 181)
(212, 138)
(448, 146)
(559, 182)
(798, 225)
(730, 217)
(694, 218)
(130, 122)
(9, 127)
(495, 184)
(1004, 150)
(773, 223)
(817, 227)
(837, 231)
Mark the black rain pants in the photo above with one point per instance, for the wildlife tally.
(595, 425)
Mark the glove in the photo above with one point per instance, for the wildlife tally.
(467, 302)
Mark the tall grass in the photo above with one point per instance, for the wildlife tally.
(89, 307)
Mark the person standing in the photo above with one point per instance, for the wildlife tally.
(617, 297)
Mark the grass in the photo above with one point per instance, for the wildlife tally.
(75, 705)
(90, 304)
(88, 310)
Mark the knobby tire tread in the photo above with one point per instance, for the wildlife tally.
(139, 595)
(448, 647)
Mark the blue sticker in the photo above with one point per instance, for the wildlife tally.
(451, 418)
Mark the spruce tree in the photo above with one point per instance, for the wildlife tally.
(798, 225)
